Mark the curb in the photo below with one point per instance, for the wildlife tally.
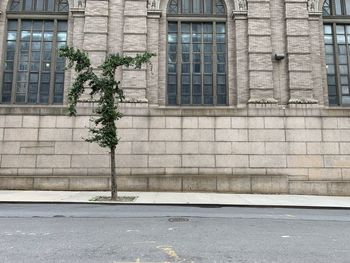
(180, 204)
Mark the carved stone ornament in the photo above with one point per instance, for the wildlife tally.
(240, 5)
(79, 3)
(313, 5)
(302, 101)
(153, 4)
(78, 9)
(135, 100)
(262, 101)
(126, 100)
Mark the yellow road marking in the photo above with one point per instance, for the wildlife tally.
(169, 251)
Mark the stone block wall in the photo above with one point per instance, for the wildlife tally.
(244, 147)
(265, 150)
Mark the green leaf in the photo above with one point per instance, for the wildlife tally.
(104, 129)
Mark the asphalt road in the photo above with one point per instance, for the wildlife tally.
(103, 233)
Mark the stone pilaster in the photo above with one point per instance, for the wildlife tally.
(153, 16)
(134, 82)
(77, 26)
(76, 38)
(95, 34)
(298, 48)
(319, 74)
(260, 52)
(279, 46)
(241, 51)
(96, 30)
(115, 30)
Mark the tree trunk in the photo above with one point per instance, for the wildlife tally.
(114, 193)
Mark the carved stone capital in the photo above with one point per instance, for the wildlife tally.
(79, 4)
(313, 7)
(78, 8)
(239, 15)
(154, 13)
(153, 4)
(77, 12)
(240, 5)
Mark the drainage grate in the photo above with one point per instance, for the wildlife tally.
(58, 216)
(178, 219)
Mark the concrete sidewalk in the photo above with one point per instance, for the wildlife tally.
(179, 198)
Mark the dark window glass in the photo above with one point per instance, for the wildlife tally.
(63, 6)
(208, 6)
(347, 7)
(196, 54)
(39, 5)
(197, 85)
(185, 6)
(220, 9)
(195, 7)
(337, 50)
(28, 5)
(15, 5)
(12, 25)
(35, 63)
(338, 7)
(50, 5)
(172, 9)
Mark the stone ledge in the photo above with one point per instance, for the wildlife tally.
(141, 108)
(239, 14)
(309, 101)
(77, 11)
(154, 13)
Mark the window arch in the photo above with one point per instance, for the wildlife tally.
(196, 52)
(33, 72)
(336, 16)
(196, 7)
(39, 5)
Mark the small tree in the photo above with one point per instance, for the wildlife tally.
(109, 94)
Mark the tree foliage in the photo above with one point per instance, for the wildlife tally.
(107, 89)
(104, 130)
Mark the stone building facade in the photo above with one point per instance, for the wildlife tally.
(262, 116)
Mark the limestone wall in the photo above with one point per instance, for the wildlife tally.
(275, 150)
(249, 148)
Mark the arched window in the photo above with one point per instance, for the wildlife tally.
(197, 52)
(33, 72)
(336, 16)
